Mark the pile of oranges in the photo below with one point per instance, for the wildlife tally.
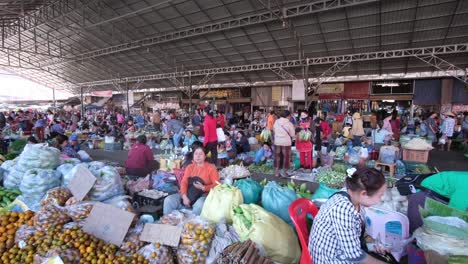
(72, 245)
(9, 223)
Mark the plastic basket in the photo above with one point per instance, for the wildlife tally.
(139, 201)
(415, 155)
(112, 146)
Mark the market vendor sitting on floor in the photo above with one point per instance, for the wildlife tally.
(199, 178)
(337, 234)
(263, 153)
(66, 150)
(189, 138)
(140, 161)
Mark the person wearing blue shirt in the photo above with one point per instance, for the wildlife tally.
(74, 142)
(139, 120)
(57, 128)
(189, 138)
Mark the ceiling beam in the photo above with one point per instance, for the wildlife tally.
(378, 55)
(259, 18)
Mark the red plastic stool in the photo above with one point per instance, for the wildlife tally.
(298, 211)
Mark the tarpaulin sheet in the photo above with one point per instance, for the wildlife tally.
(356, 90)
(427, 92)
(459, 93)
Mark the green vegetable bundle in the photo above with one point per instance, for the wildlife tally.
(300, 190)
(266, 135)
(305, 135)
(263, 168)
(331, 178)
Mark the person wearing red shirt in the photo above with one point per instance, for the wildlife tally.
(210, 141)
(140, 158)
(221, 120)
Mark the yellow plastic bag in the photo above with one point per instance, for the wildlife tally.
(277, 238)
(220, 203)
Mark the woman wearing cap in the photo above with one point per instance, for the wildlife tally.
(448, 128)
(140, 158)
(210, 141)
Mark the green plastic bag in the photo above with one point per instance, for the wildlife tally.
(323, 192)
(266, 229)
(220, 202)
(251, 190)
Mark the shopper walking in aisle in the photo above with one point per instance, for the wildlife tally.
(304, 147)
(465, 127)
(199, 178)
(395, 124)
(175, 128)
(432, 128)
(270, 120)
(348, 118)
(357, 129)
(210, 141)
(157, 120)
(221, 120)
(283, 131)
(196, 122)
(447, 130)
(120, 119)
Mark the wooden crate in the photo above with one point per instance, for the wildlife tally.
(415, 155)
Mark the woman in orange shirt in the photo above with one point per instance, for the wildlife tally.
(199, 178)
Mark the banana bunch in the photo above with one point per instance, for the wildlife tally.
(300, 190)
(7, 196)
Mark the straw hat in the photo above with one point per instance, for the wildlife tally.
(356, 115)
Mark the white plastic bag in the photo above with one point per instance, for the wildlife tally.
(220, 134)
(84, 155)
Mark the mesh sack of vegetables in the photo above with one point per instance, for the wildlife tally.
(156, 253)
(36, 183)
(323, 192)
(39, 156)
(66, 171)
(108, 184)
(277, 199)
(277, 238)
(95, 167)
(12, 178)
(220, 202)
(251, 190)
(266, 135)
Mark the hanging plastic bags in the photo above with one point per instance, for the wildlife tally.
(251, 190)
(277, 199)
(277, 238)
(220, 202)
